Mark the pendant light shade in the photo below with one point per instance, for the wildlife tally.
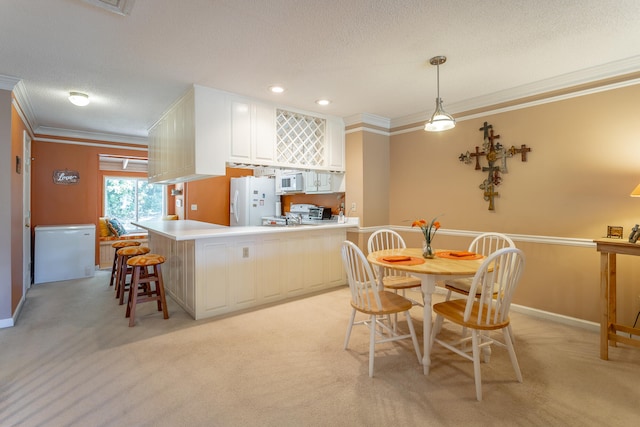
(440, 120)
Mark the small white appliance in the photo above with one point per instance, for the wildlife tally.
(252, 197)
(64, 252)
(291, 182)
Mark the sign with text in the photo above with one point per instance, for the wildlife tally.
(66, 177)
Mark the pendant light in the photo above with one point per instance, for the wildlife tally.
(440, 120)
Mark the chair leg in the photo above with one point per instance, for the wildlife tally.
(475, 338)
(512, 352)
(372, 343)
(448, 297)
(437, 326)
(160, 291)
(133, 296)
(414, 338)
(113, 268)
(486, 350)
(349, 327)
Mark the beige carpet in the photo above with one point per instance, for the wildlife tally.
(72, 360)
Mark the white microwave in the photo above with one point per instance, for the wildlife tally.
(291, 182)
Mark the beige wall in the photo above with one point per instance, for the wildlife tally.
(583, 165)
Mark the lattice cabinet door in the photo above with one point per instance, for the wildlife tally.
(300, 139)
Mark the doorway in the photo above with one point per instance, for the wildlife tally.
(26, 211)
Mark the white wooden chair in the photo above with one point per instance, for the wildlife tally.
(484, 244)
(392, 279)
(486, 308)
(368, 299)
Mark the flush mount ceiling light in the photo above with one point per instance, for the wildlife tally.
(276, 89)
(78, 98)
(440, 120)
(121, 7)
(323, 102)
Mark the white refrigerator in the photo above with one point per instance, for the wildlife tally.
(64, 252)
(252, 197)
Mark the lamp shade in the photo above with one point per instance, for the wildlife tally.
(636, 191)
(440, 120)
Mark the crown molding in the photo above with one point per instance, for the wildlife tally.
(8, 82)
(92, 136)
(575, 79)
(368, 119)
(22, 98)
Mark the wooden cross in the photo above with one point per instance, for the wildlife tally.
(523, 150)
(477, 155)
(493, 151)
(489, 194)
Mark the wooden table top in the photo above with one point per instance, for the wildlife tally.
(436, 266)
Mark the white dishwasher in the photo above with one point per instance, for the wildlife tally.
(64, 252)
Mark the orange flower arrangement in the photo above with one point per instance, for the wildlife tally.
(429, 231)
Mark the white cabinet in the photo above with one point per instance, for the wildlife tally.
(317, 182)
(208, 128)
(214, 276)
(253, 132)
(178, 269)
(190, 139)
(335, 144)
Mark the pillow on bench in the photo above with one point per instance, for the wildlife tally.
(116, 227)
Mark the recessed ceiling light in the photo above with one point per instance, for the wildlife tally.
(323, 102)
(78, 98)
(276, 89)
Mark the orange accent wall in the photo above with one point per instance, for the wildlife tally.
(211, 195)
(55, 204)
(17, 128)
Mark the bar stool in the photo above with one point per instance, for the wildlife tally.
(142, 276)
(116, 246)
(122, 269)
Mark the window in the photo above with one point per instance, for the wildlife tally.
(133, 199)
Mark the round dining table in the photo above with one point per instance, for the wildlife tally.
(444, 265)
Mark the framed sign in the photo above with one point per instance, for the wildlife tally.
(614, 232)
(66, 177)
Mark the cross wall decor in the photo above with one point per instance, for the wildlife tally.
(496, 155)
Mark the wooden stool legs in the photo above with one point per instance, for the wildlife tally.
(117, 246)
(152, 288)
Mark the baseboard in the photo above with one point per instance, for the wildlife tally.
(11, 321)
(559, 318)
(541, 314)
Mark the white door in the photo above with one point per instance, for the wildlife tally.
(25, 166)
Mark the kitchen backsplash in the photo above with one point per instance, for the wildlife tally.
(333, 201)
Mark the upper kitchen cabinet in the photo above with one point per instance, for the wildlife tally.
(253, 132)
(190, 140)
(304, 141)
(335, 144)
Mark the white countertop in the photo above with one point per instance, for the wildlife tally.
(192, 230)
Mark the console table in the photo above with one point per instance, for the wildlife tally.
(609, 329)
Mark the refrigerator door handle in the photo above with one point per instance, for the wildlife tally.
(234, 206)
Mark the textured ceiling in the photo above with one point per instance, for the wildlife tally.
(367, 56)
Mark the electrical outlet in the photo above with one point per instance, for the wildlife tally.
(194, 207)
(353, 206)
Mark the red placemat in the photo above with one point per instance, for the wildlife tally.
(461, 255)
(401, 260)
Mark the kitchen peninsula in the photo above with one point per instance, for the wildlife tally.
(213, 270)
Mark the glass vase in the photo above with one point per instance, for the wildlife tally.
(427, 251)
